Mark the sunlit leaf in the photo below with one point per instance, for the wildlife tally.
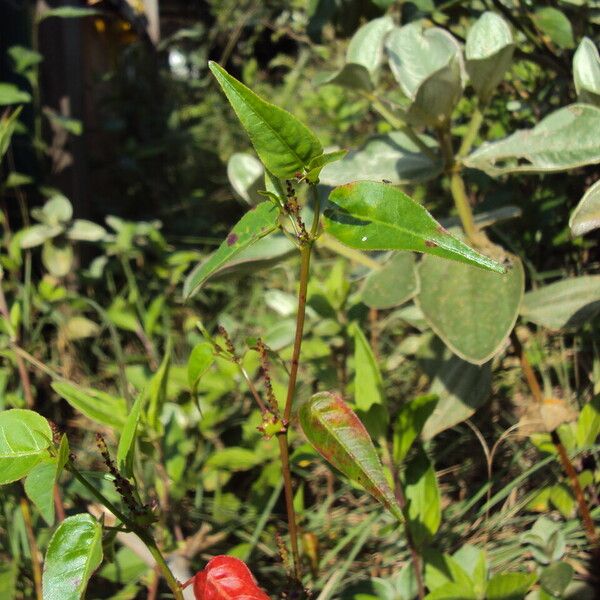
(338, 435)
(411, 418)
(563, 140)
(11, 94)
(366, 46)
(69, 12)
(254, 225)
(554, 23)
(73, 554)
(586, 216)
(284, 145)
(368, 215)
(586, 72)
(245, 174)
(509, 586)
(126, 445)
(39, 487)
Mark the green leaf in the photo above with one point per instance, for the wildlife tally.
(394, 284)
(368, 384)
(9, 572)
(79, 327)
(24, 58)
(338, 435)
(393, 157)
(488, 52)
(158, 389)
(375, 216)
(588, 424)
(58, 121)
(510, 586)
(565, 304)
(351, 76)
(57, 257)
(473, 311)
(474, 562)
(126, 446)
(366, 46)
(11, 94)
(39, 487)
(234, 458)
(254, 225)
(284, 145)
(427, 63)
(317, 164)
(411, 418)
(73, 554)
(586, 216)
(8, 124)
(24, 439)
(586, 72)
(200, 360)
(94, 404)
(556, 577)
(563, 140)
(69, 12)
(85, 231)
(441, 569)
(423, 507)
(245, 174)
(452, 591)
(553, 23)
(36, 235)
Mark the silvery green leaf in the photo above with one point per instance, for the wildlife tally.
(586, 215)
(366, 45)
(36, 235)
(586, 72)
(85, 231)
(488, 52)
(352, 76)
(245, 174)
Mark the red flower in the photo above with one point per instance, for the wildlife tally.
(226, 578)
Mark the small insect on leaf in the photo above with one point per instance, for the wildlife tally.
(225, 577)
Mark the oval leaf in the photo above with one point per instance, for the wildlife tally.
(226, 577)
(24, 438)
(39, 487)
(488, 53)
(394, 284)
(565, 304)
(564, 140)
(245, 174)
(94, 404)
(471, 310)
(586, 216)
(586, 72)
(254, 225)
(338, 435)
(393, 157)
(284, 145)
(73, 554)
(375, 216)
(366, 46)
(555, 25)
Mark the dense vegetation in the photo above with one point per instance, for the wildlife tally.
(353, 345)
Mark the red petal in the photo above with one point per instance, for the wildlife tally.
(226, 578)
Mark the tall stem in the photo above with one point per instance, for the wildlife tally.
(33, 549)
(471, 133)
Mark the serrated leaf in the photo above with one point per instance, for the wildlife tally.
(488, 52)
(394, 284)
(24, 438)
(254, 225)
(563, 140)
(284, 145)
(375, 216)
(411, 418)
(39, 487)
(366, 46)
(73, 554)
(586, 216)
(423, 508)
(393, 157)
(94, 404)
(452, 295)
(586, 72)
(338, 435)
(565, 304)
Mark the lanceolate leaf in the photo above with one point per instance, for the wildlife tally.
(39, 487)
(24, 438)
(254, 225)
(586, 216)
(410, 421)
(284, 144)
(127, 440)
(565, 304)
(368, 384)
(94, 404)
(338, 435)
(73, 554)
(564, 140)
(376, 216)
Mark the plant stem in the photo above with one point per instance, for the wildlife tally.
(459, 195)
(471, 133)
(33, 549)
(143, 534)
